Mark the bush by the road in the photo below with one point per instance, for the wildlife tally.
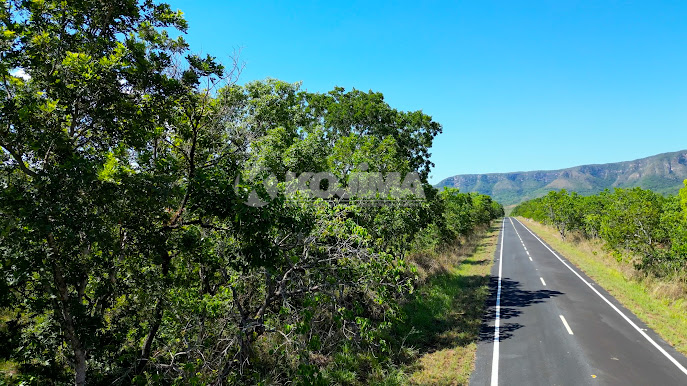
(638, 225)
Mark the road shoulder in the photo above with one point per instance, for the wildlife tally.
(448, 315)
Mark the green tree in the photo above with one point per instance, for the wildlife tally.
(671, 257)
(632, 222)
(128, 252)
(344, 113)
(100, 143)
(459, 213)
(683, 198)
(650, 229)
(562, 211)
(591, 210)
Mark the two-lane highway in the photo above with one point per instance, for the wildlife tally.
(550, 324)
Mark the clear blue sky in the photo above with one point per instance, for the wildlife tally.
(517, 85)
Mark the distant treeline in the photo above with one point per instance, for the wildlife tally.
(637, 224)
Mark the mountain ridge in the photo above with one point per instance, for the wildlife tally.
(663, 173)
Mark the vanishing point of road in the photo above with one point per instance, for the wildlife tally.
(548, 323)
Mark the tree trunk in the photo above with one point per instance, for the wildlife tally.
(148, 344)
(69, 326)
(62, 307)
(80, 367)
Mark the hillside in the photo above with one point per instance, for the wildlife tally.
(662, 173)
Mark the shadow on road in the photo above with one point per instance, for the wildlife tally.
(513, 300)
(454, 309)
(447, 310)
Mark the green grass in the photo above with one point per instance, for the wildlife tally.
(446, 316)
(661, 305)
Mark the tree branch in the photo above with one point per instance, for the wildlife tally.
(20, 162)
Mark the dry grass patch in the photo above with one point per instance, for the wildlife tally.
(445, 367)
(431, 264)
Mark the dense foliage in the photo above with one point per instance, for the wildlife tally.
(637, 224)
(128, 251)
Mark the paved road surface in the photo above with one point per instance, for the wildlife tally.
(550, 324)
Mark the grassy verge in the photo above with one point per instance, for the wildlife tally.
(447, 311)
(661, 305)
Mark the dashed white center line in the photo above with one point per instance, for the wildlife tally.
(542, 281)
(565, 323)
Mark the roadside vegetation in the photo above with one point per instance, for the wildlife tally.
(149, 229)
(633, 242)
(445, 314)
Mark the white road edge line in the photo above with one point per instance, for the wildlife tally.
(565, 323)
(521, 241)
(644, 334)
(495, 358)
(517, 233)
(542, 281)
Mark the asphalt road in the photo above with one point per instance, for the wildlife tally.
(549, 324)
